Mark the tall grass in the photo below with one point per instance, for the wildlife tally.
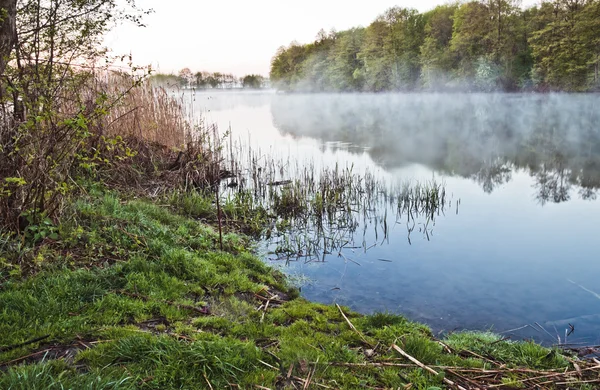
(109, 127)
(147, 113)
(313, 212)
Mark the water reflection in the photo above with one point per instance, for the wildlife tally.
(555, 138)
(500, 264)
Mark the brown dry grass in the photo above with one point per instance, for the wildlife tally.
(135, 137)
(146, 113)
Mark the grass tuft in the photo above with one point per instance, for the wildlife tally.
(133, 295)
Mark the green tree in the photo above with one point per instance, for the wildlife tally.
(315, 68)
(201, 80)
(286, 66)
(344, 71)
(435, 56)
(483, 44)
(470, 38)
(486, 42)
(563, 47)
(390, 52)
(587, 33)
(377, 67)
(253, 81)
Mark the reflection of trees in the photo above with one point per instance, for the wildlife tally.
(553, 185)
(589, 179)
(493, 175)
(587, 193)
(483, 137)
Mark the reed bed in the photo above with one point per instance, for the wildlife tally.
(315, 211)
(146, 112)
(106, 127)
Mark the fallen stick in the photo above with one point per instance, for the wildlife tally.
(559, 374)
(269, 299)
(262, 317)
(268, 365)
(515, 329)
(426, 368)
(207, 381)
(384, 364)
(316, 384)
(446, 348)
(203, 310)
(15, 346)
(544, 329)
(492, 362)
(352, 326)
(309, 377)
(348, 259)
(576, 382)
(464, 378)
(24, 357)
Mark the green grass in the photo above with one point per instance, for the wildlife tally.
(118, 297)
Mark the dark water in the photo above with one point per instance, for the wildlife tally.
(523, 247)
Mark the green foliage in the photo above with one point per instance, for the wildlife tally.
(203, 80)
(39, 230)
(123, 313)
(58, 375)
(253, 81)
(566, 45)
(477, 45)
(522, 353)
(239, 211)
(51, 105)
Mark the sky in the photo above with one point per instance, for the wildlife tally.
(239, 36)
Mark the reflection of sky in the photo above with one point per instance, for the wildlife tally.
(254, 126)
(504, 261)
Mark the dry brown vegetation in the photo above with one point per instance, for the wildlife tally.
(109, 127)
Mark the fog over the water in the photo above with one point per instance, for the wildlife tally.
(555, 137)
(522, 173)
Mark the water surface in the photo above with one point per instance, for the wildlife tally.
(522, 248)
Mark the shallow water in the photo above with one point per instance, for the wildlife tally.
(521, 249)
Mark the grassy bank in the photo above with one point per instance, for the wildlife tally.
(126, 293)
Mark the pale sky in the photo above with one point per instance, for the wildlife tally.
(239, 36)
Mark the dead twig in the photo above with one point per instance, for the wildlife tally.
(353, 327)
(28, 342)
(207, 381)
(426, 368)
(316, 384)
(24, 357)
(310, 374)
(203, 310)
(463, 378)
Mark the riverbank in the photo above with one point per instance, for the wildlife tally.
(127, 293)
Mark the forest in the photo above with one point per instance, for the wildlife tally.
(484, 45)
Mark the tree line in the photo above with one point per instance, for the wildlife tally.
(205, 80)
(482, 45)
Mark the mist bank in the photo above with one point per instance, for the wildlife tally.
(485, 45)
(484, 137)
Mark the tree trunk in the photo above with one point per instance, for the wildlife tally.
(597, 69)
(8, 30)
